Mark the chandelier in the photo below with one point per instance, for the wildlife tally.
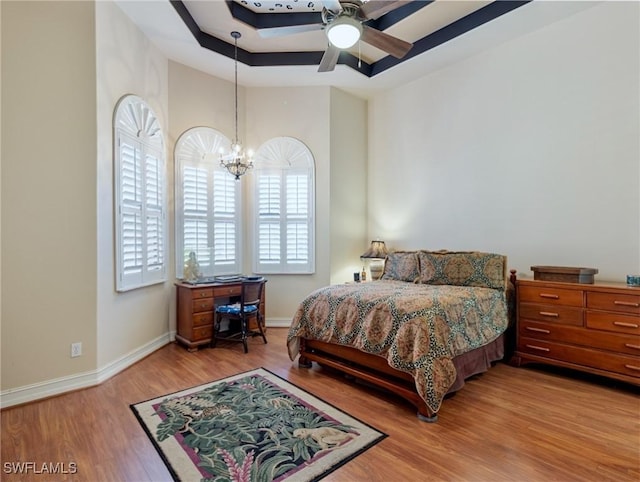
(236, 161)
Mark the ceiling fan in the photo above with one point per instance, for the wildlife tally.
(343, 22)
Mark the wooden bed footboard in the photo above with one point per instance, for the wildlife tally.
(364, 366)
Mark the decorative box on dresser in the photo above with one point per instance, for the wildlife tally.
(196, 309)
(589, 327)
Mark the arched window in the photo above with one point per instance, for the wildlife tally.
(284, 207)
(207, 204)
(140, 185)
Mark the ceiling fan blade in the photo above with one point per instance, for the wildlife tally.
(390, 44)
(288, 30)
(329, 59)
(377, 8)
(332, 5)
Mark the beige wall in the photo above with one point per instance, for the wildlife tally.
(48, 190)
(348, 188)
(134, 322)
(530, 149)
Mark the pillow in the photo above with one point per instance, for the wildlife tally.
(463, 268)
(401, 266)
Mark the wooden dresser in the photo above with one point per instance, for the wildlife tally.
(196, 309)
(589, 327)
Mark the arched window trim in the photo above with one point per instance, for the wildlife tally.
(284, 221)
(212, 220)
(140, 195)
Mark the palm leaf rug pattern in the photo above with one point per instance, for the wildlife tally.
(254, 426)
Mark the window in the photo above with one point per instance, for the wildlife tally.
(207, 204)
(140, 177)
(284, 197)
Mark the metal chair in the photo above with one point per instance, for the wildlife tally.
(247, 309)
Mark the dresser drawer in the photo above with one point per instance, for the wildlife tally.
(203, 319)
(600, 320)
(602, 360)
(621, 303)
(551, 313)
(553, 296)
(202, 333)
(614, 342)
(205, 304)
(220, 291)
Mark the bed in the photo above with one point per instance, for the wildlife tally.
(434, 319)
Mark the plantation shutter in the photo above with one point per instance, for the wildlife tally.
(131, 208)
(284, 208)
(140, 196)
(196, 224)
(207, 205)
(225, 222)
(297, 219)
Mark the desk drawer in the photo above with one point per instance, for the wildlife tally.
(550, 313)
(621, 303)
(220, 291)
(553, 296)
(202, 293)
(202, 333)
(203, 319)
(205, 304)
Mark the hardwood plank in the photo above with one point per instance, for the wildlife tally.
(530, 424)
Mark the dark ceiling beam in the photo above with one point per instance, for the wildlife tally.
(459, 27)
(451, 31)
(394, 16)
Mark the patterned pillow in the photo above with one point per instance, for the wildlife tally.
(401, 266)
(463, 268)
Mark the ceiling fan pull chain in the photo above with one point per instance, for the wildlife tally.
(359, 54)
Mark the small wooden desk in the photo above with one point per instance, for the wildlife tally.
(196, 309)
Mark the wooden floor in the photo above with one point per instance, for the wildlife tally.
(510, 424)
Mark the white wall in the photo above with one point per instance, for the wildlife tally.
(132, 323)
(530, 149)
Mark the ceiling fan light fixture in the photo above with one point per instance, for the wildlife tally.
(344, 32)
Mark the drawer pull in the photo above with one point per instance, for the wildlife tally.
(534, 347)
(625, 325)
(202, 295)
(626, 303)
(548, 295)
(539, 330)
(549, 313)
(632, 367)
(631, 345)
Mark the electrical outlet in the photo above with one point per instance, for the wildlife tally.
(76, 349)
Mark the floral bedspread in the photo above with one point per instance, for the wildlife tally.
(418, 328)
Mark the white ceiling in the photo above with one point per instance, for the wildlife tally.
(160, 22)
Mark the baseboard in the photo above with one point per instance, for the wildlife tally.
(57, 386)
(278, 322)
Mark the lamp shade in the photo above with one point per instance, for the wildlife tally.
(377, 250)
(344, 32)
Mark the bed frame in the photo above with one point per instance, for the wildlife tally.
(374, 369)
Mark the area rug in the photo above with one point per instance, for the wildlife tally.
(254, 426)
